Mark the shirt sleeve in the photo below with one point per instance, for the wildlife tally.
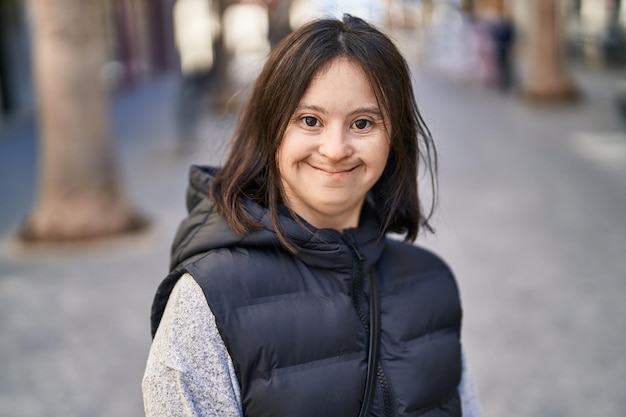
(470, 403)
(189, 371)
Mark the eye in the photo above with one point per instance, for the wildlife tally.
(362, 124)
(310, 121)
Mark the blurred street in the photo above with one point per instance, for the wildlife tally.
(531, 218)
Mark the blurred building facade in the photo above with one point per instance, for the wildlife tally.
(16, 89)
(140, 34)
(139, 39)
(593, 30)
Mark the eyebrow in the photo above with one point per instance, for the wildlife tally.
(368, 110)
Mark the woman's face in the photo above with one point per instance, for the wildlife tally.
(334, 149)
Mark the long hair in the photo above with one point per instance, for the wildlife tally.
(251, 169)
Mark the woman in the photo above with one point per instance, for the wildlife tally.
(285, 298)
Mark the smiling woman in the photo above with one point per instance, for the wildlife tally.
(284, 296)
(335, 148)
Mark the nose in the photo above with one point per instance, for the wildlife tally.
(335, 144)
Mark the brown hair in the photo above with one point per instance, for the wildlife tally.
(251, 169)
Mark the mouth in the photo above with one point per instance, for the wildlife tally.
(334, 171)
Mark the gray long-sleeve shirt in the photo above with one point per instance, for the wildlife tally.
(190, 373)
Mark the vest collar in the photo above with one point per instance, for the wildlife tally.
(324, 248)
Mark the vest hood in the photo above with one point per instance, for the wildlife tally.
(205, 229)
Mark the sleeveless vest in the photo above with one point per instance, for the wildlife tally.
(299, 346)
(296, 325)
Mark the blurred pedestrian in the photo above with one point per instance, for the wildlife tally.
(503, 33)
(278, 14)
(484, 66)
(285, 297)
(196, 27)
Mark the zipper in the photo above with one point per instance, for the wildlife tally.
(384, 385)
(357, 285)
(357, 291)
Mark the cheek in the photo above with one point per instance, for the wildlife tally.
(379, 163)
(292, 149)
(380, 154)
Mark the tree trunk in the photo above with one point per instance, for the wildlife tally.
(547, 79)
(79, 196)
(278, 14)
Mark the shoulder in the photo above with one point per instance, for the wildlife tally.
(187, 296)
(413, 258)
(422, 277)
(187, 334)
(243, 272)
(237, 262)
(188, 338)
(189, 369)
(186, 309)
(404, 266)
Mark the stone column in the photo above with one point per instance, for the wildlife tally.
(546, 78)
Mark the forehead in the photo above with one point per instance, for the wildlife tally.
(343, 87)
(339, 65)
(339, 78)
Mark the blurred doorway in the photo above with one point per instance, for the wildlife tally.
(16, 89)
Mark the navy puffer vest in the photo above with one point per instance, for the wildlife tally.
(296, 327)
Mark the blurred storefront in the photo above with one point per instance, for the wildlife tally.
(508, 43)
(16, 90)
(139, 38)
(593, 30)
(140, 34)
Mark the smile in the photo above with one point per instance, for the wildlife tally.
(335, 171)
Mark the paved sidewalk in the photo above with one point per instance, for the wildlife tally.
(531, 218)
(75, 320)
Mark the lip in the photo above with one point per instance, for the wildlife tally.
(333, 171)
